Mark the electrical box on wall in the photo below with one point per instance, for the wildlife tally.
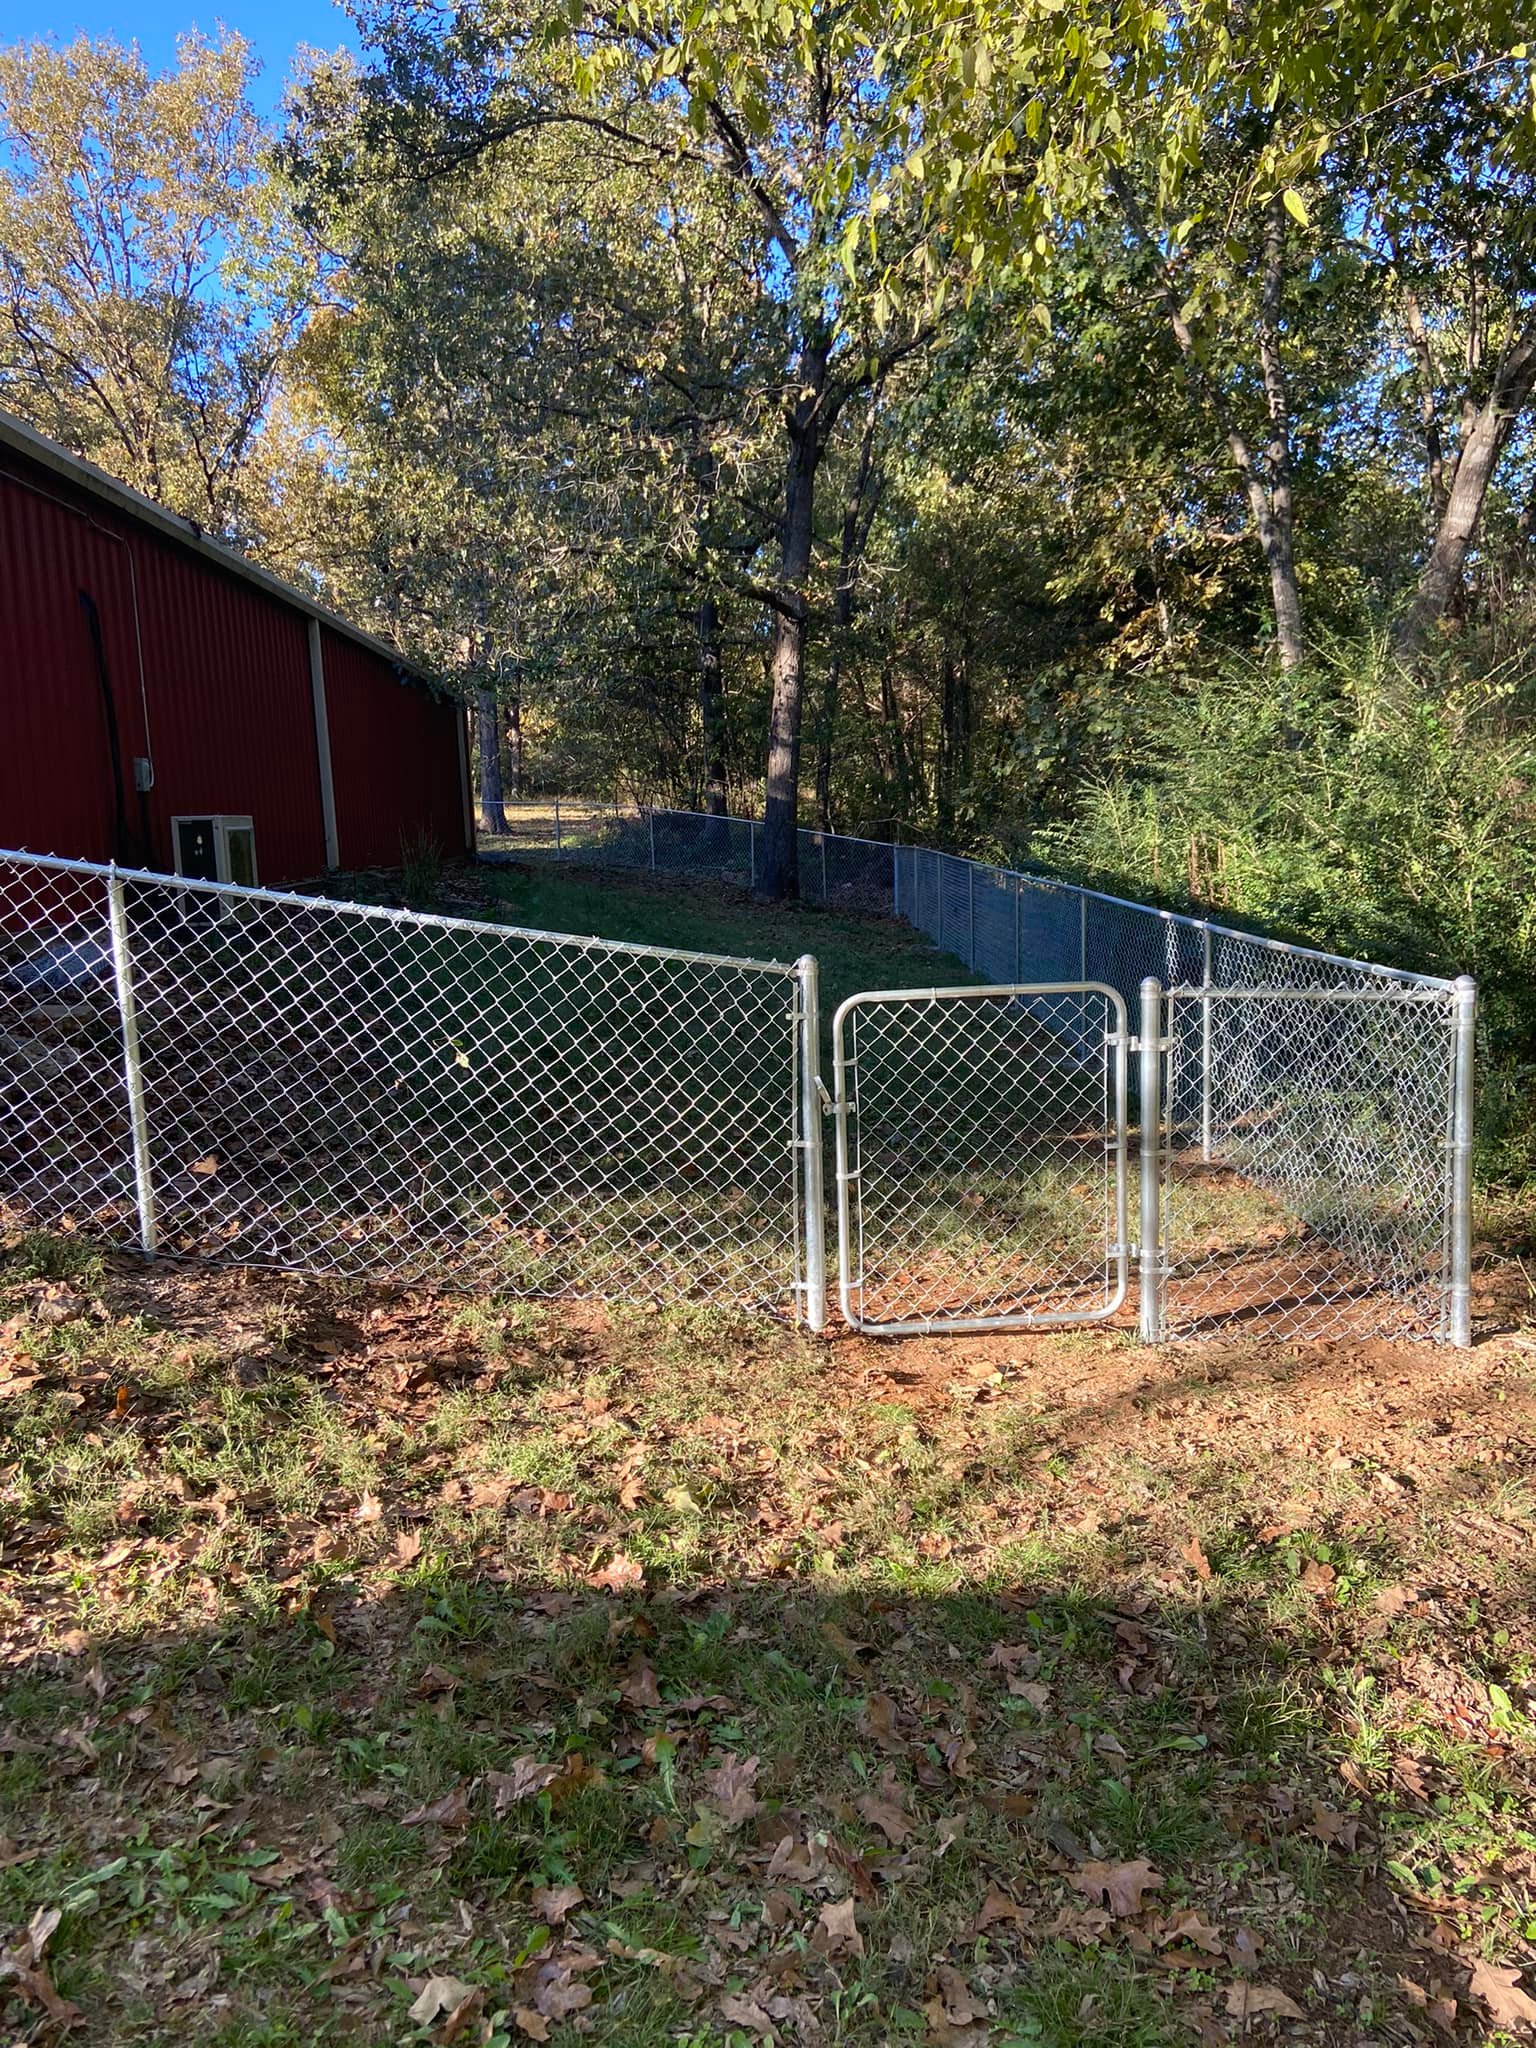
(219, 848)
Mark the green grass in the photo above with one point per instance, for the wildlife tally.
(280, 1619)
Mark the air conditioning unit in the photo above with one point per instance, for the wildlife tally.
(215, 849)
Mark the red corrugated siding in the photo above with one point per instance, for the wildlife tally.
(230, 717)
(394, 757)
(56, 784)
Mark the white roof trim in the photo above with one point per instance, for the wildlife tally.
(15, 433)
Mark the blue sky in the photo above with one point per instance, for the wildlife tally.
(274, 28)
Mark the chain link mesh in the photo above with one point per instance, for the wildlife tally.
(1307, 1166)
(982, 1153)
(1323, 1203)
(348, 1090)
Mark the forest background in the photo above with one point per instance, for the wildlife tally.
(1098, 440)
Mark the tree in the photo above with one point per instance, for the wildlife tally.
(150, 283)
(778, 110)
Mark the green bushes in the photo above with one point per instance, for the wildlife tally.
(1352, 805)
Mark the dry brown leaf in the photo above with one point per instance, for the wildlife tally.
(877, 1718)
(368, 1508)
(554, 1903)
(527, 1778)
(728, 1789)
(451, 1811)
(1119, 1885)
(620, 1574)
(739, 2011)
(882, 1809)
(837, 1930)
(998, 1906)
(639, 1685)
(1244, 2000)
(1192, 1553)
(440, 1995)
(1499, 1988)
(1188, 1926)
(531, 2023)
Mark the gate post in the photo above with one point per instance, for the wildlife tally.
(814, 1198)
(1205, 1047)
(133, 1071)
(1150, 1045)
(1459, 1305)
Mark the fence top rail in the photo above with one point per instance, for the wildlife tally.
(1037, 881)
(1418, 989)
(381, 913)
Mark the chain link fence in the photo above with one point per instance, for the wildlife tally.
(1310, 1149)
(258, 1077)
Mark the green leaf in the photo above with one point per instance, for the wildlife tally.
(1295, 208)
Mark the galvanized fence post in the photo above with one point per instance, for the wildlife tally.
(650, 819)
(133, 1071)
(1459, 1319)
(895, 878)
(1205, 1048)
(808, 1019)
(970, 961)
(557, 828)
(752, 850)
(1151, 1260)
(823, 867)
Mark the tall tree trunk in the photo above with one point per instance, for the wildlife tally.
(858, 517)
(778, 872)
(515, 742)
(1482, 443)
(1278, 532)
(1269, 498)
(493, 813)
(712, 706)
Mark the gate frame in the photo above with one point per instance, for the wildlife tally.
(1117, 1046)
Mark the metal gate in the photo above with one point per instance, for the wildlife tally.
(982, 1179)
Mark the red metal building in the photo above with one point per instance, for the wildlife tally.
(166, 703)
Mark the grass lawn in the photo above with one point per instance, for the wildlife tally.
(380, 1666)
(666, 1677)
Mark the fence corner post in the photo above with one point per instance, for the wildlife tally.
(1205, 1045)
(133, 1072)
(1150, 1273)
(814, 1196)
(1463, 1063)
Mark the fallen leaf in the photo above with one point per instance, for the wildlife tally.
(554, 1903)
(531, 2023)
(527, 1778)
(1245, 1999)
(620, 1574)
(639, 1685)
(728, 1789)
(998, 1906)
(206, 1166)
(739, 2011)
(1192, 1553)
(368, 1508)
(1188, 1926)
(837, 1931)
(451, 1811)
(440, 1995)
(877, 1718)
(882, 1810)
(1499, 1989)
(1119, 1885)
